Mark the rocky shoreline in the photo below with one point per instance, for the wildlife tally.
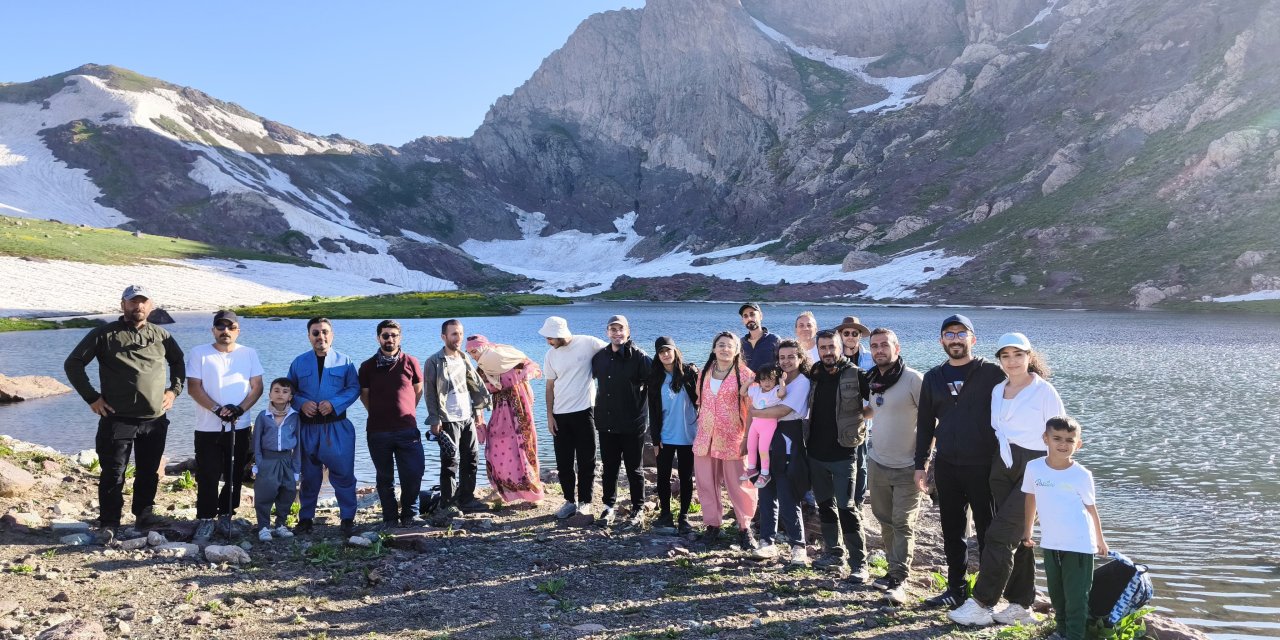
(515, 572)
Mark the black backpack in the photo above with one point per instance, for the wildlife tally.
(429, 500)
(1120, 588)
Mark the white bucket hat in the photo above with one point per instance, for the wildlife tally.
(555, 327)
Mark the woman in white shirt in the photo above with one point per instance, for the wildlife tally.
(1020, 407)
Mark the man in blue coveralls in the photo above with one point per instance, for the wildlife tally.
(326, 383)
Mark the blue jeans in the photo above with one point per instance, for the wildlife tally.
(398, 450)
(329, 445)
(779, 496)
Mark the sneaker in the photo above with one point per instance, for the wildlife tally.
(106, 535)
(747, 540)
(584, 508)
(1015, 614)
(410, 521)
(348, 527)
(605, 519)
(897, 595)
(747, 475)
(710, 535)
(831, 562)
(763, 480)
(150, 520)
(304, 526)
(859, 574)
(204, 531)
(566, 510)
(683, 527)
(665, 523)
(264, 534)
(227, 527)
(473, 506)
(886, 583)
(971, 614)
(951, 598)
(636, 521)
(799, 556)
(282, 532)
(767, 551)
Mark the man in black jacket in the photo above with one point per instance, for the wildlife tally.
(621, 414)
(955, 413)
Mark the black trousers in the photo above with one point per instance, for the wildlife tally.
(622, 449)
(116, 439)
(213, 463)
(458, 474)
(961, 489)
(575, 441)
(1008, 567)
(682, 455)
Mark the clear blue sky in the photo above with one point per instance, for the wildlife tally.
(384, 72)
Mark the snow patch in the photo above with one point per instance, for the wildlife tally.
(1039, 45)
(341, 198)
(575, 263)
(418, 237)
(432, 159)
(1267, 294)
(73, 288)
(531, 223)
(899, 88)
(1044, 13)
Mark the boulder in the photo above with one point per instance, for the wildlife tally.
(1250, 259)
(86, 458)
(65, 526)
(76, 539)
(74, 630)
(359, 541)
(21, 388)
(134, 544)
(229, 554)
(159, 316)
(178, 550)
(14, 481)
(1162, 628)
(857, 260)
(156, 539)
(176, 468)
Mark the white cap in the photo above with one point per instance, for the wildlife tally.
(555, 327)
(1015, 340)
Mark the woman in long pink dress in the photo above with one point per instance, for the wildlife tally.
(510, 439)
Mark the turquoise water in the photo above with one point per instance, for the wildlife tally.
(1180, 413)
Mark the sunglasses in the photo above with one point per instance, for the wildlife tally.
(225, 327)
(388, 336)
(952, 335)
(317, 333)
(850, 334)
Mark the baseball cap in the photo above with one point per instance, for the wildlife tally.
(1015, 340)
(226, 315)
(135, 291)
(618, 319)
(749, 305)
(663, 342)
(957, 319)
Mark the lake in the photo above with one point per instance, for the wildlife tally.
(1177, 411)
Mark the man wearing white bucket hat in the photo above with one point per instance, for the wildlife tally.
(570, 417)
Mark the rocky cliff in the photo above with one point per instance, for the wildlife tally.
(1009, 151)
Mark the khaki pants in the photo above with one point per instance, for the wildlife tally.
(895, 502)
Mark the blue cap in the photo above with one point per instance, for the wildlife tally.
(958, 319)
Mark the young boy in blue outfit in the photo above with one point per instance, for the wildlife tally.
(275, 448)
(1061, 491)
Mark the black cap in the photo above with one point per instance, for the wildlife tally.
(958, 319)
(226, 316)
(749, 305)
(663, 342)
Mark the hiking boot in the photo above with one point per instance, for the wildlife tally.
(767, 551)
(150, 520)
(473, 506)
(833, 563)
(971, 614)
(105, 535)
(799, 556)
(683, 527)
(951, 598)
(347, 527)
(264, 534)
(665, 523)
(1015, 614)
(228, 528)
(747, 540)
(859, 574)
(304, 527)
(710, 535)
(886, 583)
(282, 532)
(204, 531)
(566, 510)
(605, 519)
(407, 522)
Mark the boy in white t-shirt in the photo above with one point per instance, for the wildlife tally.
(1062, 492)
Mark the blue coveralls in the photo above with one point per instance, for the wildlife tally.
(327, 441)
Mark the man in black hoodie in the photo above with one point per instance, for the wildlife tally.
(955, 413)
(621, 414)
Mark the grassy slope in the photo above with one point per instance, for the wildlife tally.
(444, 304)
(56, 241)
(32, 324)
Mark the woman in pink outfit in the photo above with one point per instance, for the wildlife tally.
(510, 440)
(720, 445)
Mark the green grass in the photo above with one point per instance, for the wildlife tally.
(553, 587)
(44, 239)
(443, 304)
(33, 324)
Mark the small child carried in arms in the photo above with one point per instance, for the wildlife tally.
(768, 391)
(279, 460)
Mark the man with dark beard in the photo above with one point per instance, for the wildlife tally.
(759, 347)
(955, 412)
(390, 386)
(131, 408)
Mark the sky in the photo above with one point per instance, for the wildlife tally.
(378, 72)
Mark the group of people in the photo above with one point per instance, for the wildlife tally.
(768, 422)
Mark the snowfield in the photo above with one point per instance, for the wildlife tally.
(77, 288)
(1267, 294)
(574, 263)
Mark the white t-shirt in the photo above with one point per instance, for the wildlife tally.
(797, 399)
(457, 404)
(1020, 420)
(225, 378)
(1061, 498)
(570, 367)
(762, 399)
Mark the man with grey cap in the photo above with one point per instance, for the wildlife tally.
(570, 415)
(954, 414)
(621, 371)
(225, 380)
(137, 391)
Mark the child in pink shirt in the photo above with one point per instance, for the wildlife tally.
(768, 391)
